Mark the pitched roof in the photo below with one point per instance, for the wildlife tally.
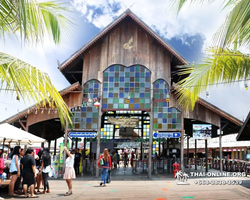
(115, 23)
(75, 86)
(244, 133)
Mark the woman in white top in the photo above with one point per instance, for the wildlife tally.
(69, 173)
(14, 169)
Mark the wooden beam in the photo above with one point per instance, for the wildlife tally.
(74, 72)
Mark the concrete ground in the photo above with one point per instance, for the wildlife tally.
(139, 187)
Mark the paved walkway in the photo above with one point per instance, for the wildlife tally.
(142, 188)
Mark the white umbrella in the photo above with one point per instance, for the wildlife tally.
(11, 134)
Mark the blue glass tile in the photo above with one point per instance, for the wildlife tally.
(96, 86)
(126, 79)
(84, 109)
(161, 81)
(89, 120)
(142, 80)
(142, 95)
(94, 125)
(126, 89)
(159, 115)
(132, 68)
(169, 110)
(147, 74)
(166, 90)
(147, 85)
(155, 115)
(121, 100)
(147, 100)
(156, 85)
(121, 74)
(137, 95)
(104, 106)
(137, 106)
(154, 145)
(137, 75)
(115, 105)
(132, 85)
(105, 89)
(131, 100)
(110, 100)
(105, 95)
(165, 104)
(111, 79)
(164, 120)
(122, 84)
(121, 95)
(174, 121)
(95, 95)
(126, 106)
(121, 79)
(112, 68)
(111, 94)
(91, 89)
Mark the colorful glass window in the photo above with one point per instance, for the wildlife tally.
(165, 118)
(126, 88)
(85, 116)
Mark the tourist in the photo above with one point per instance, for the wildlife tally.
(69, 173)
(77, 161)
(45, 168)
(10, 154)
(28, 164)
(14, 169)
(104, 163)
(39, 177)
(18, 181)
(1, 170)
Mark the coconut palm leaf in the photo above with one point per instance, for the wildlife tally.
(34, 21)
(221, 66)
(27, 82)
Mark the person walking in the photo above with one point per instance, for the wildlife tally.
(69, 173)
(39, 177)
(104, 163)
(29, 171)
(77, 161)
(45, 168)
(1, 171)
(18, 181)
(14, 169)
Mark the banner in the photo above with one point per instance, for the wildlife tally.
(124, 122)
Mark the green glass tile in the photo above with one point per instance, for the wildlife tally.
(142, 85)
(137, 68)
(142, 75)
(137, 79)
(173, 115)
(147, 95)
(121, 105)
(117, 79)
(161, 91)
(132, 95)
(126, 84)
(160, 104)
(137, 90)
(155, 109)
(164, 115)
(155, 126)
(142, 100)
(157, 96)
(95, 115)
(173, 126)
(147, 105)
(106, 74)
(117, 68)
(126, 74)
(105, 85)
(111, 89)
(116, 100)
(178, 120)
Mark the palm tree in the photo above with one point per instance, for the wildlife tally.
(31, 22)
(223, 63)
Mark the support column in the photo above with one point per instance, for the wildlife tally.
(220, 143)
(195, 153)
(55, 147)
(187, 150)
(98, 146)
(182, 142)
(151, 135)
(206, 154)
(65, 142)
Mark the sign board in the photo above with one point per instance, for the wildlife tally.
(83, 134)
(248, 156)
(124, 122)
(202, 131)
(167, 135)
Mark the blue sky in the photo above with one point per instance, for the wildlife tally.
(189, 33)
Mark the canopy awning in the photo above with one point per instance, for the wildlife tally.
(11, 134)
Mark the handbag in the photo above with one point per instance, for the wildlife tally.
(102, 162)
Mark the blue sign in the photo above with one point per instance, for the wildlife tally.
(83, 134)
(248, 156)
(167, 135)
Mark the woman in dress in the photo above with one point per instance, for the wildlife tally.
(105, 166)
(69, 173)
(45, 168)
(1, 170)
(14, 169)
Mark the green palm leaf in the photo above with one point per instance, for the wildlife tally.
(220, 66)
(27, 82)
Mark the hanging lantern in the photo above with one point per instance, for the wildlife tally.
(97, 104)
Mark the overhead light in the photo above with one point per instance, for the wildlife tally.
(42, 111)
(36, 111)
(49, 111)
(207, 94)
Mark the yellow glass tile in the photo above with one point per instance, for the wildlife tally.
(132, 111)
(148, 126)
(144, 134)
(102, 129)
(157, 149)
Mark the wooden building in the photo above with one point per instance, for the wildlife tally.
(129, 69)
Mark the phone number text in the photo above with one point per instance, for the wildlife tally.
(218, 182)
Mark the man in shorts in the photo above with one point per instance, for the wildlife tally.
(28, 164)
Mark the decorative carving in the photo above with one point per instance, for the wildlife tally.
(128, 45)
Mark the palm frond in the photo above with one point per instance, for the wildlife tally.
(33, 21)
(221, 66)
(27, 82)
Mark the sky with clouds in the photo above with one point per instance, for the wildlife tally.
(189, 33)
